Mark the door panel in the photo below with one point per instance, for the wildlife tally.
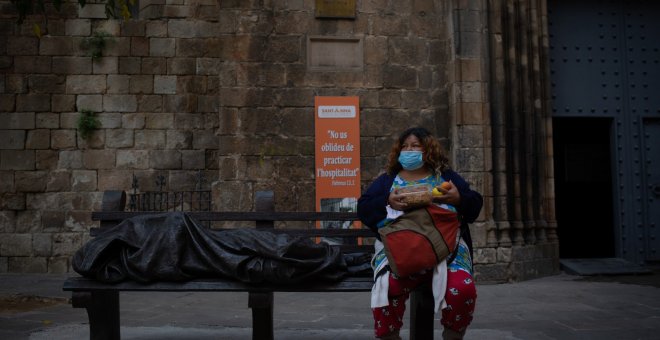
(652, 194)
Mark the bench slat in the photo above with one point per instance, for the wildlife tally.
(350, 284)
(236, 216)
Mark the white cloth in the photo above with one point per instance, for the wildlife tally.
(439, 285)
(379, 291)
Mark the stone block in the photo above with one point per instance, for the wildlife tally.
(156, 28)
(119, 138)
(70, 159)
(33, 102)
(46, 159)
(58, 265)
(133, 28)
(192, 84)
(193, 159)
(472, 136)
(6, 181)
(114, 179)
(16, 245)
(165, 84)
(92, 11)
(165, 159)
(63, 102)
(83, 180)
(178, 139)
(106, 65)
(15, 83)
(470, 44)
(55, 45)
(42, 244)
(189, 121)
(66, 244)
(207, 66)
(78, 220)
(7, 103)
(31, 181)
(180, 103)
(150, 103)
(181, 66)
(28, 221)
(72, 65)
(95, 141)
(111, 27)
(84, 84)
(38, 139)
(152, 65)
(139, 46)
(22, 46)
(99, 159)
(63, 139)
(91, 102)
(162, 47)
(17, 160)
(208, 103)
(470, 159)
(46, 83)
(119, 103)
(59, 181)
(12, 201)
(133, 120)
(12, 139)
(150, 139)
(130, 65)
(400, 77)
(160, 120)
(118, 83)
(69, 120)
(46, 120)
(492, 273)
(78, 27)
(141, 84)
(32, 64)
(7, 221)
(111, 120)
(24, 264)
(132, 159)
(205, 139)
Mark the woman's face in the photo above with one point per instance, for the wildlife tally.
(412, 143)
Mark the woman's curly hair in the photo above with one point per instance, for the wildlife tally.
(434, 157)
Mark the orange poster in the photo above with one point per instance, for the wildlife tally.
(337, 128)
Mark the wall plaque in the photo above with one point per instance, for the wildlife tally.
(335, 8)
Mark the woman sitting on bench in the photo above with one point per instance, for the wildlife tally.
(417, 158)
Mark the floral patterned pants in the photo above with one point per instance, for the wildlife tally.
(460, 297)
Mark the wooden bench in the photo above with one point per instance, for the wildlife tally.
(101, 300)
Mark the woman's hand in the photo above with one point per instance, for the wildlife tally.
(395, 200)
(449, 195)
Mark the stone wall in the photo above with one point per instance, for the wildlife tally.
(228, 87)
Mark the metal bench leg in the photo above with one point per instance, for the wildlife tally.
(262, 315)
(421, 314)
(102, 311)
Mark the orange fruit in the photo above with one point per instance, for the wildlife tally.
(445, 185)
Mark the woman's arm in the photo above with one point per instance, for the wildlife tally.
(471, 201)
(372, 203)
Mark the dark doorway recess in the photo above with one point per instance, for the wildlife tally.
(583, 187)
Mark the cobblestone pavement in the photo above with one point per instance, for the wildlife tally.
(556, 307)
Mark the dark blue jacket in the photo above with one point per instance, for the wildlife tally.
(372, 203)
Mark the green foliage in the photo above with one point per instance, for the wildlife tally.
(96, 44)
(87, 123)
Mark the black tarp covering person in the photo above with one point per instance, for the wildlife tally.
(174, 247)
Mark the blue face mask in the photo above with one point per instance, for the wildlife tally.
(411, 160)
